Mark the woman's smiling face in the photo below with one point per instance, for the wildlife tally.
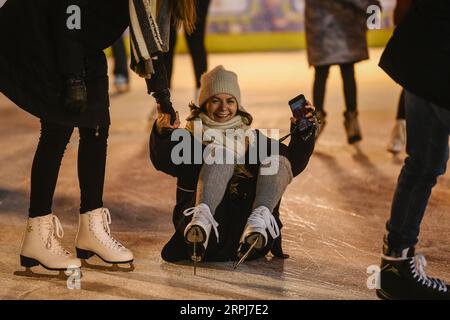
(221, 107)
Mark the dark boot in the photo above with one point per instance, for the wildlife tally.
(321, 117)
(352, 127)
(403, 277)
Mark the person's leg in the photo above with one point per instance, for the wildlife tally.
(270, 188)
(120, 58)
(397, 140)
(92, 237)
(211, 187)
(169, 56)
(427, 148)
(349, 83)
(41, 243)
(45, 168)
(212, 184)
(91, 167)
(320, 82)
(351, 122)
(319, 87)
(196, 42)
(269, 191)
(402, 274)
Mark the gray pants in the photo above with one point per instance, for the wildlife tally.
(214, 179)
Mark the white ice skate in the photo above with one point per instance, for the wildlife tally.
(121, 83)
(41, 245)
(255, 236)
(397, 142)
(94, 238)
(197, 232)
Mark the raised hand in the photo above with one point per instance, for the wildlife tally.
(310, 115)
(163, 122)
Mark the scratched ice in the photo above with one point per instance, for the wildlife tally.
(333, 213)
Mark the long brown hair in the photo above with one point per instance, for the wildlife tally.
(183, 13)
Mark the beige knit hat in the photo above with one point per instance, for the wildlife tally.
(217, 81)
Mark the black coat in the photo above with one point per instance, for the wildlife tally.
(418, 54)
(38, 50)
(236, 206)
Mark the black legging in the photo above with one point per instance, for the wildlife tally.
(120, 58)
(47, 161)
(348, 78)
(195, 42)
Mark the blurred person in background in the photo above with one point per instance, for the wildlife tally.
(336, 35)
(196, 45)
(397, 141)
(121, 74)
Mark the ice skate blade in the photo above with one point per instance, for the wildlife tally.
(30, 262)
(113, 267)
(28, 273)
(193, 237)
(86, 254)
(257, 239)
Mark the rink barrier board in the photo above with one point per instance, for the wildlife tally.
(263, 42)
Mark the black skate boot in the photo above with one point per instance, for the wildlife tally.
(403, 277)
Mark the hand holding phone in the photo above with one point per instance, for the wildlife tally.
(299, 111)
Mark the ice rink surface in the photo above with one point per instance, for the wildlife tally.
(333, 213)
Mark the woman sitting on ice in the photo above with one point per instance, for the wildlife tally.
(223, 208)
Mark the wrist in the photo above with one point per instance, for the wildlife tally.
(163, 131)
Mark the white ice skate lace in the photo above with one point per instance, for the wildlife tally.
(418, 264)
(202, 216)
(52, 242)
(261, 216)
(105, 232)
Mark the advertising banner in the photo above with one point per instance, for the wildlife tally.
(250, 16)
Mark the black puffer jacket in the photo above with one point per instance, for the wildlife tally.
(236, 206)
(418, 55)
(37, 50)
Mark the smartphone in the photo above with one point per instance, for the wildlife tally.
(299, 111)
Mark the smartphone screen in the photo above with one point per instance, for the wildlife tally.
(299, 111)
(297, 106)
